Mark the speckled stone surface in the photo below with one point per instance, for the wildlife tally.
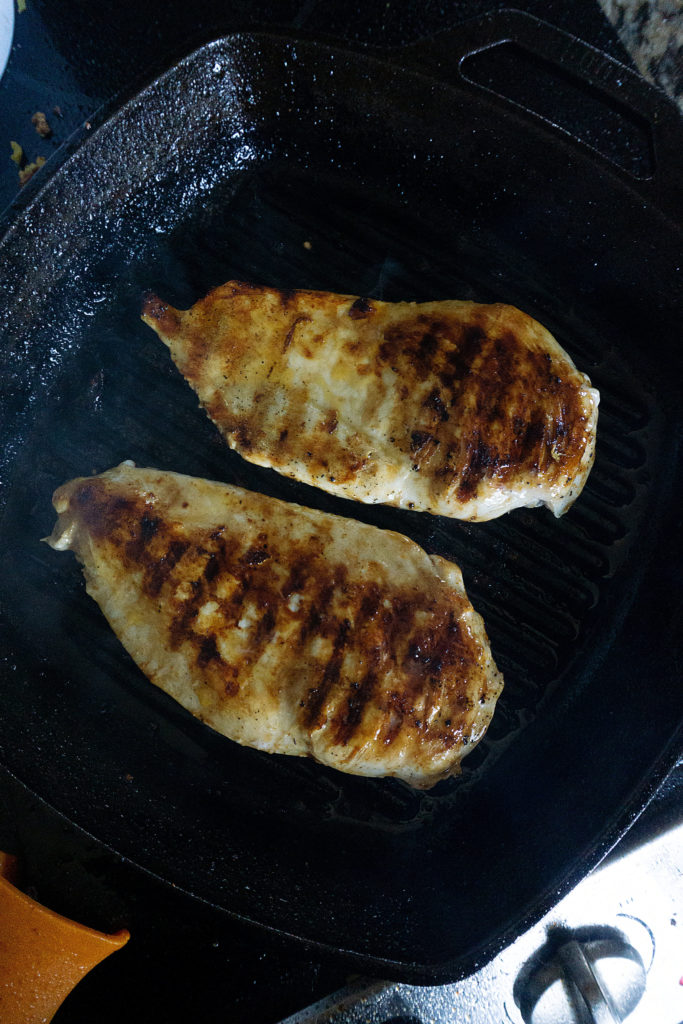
(652, 33)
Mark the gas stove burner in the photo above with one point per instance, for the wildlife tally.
(609, 951)
(591, 975)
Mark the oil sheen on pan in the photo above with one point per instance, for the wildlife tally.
(286, 629)
(456, 408)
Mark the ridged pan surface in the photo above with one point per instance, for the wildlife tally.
(296, 165)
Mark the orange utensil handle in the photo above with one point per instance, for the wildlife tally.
(42, 954)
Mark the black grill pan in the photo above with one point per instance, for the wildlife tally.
(300, 164)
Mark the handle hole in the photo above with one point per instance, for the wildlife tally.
(565, 100)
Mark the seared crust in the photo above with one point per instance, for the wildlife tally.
(455, 408)
(284, 628)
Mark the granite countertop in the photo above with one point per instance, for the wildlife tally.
(651, 31)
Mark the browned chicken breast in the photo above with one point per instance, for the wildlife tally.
(286, 629)
(455, 408)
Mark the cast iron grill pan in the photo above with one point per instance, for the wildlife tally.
(402, 187)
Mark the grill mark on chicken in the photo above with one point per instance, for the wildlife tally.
(352, 708)
(272, 606)
(330, 422)
(290, 332)
(317, 695)
(208, 651)
(434, 401)
(158, 574)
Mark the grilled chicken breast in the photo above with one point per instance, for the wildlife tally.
(454, 408)
(286, 629)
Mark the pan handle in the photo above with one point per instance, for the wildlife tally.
(605, 105)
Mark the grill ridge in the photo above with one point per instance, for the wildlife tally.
(538, 582)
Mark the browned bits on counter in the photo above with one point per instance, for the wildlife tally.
(39, 122)
(27, 172)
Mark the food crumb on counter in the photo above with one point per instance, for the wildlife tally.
(30, 169)
(26, 170)
(40, 123)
